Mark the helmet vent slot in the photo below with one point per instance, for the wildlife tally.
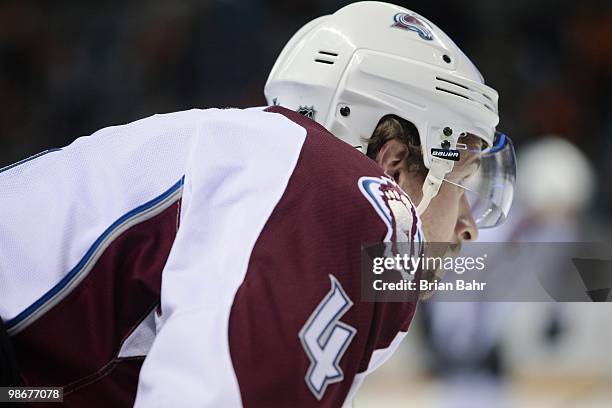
(451, 92)
(488, 97)
(326, 57)
(457, 91)
(488, 107)
(452, 82)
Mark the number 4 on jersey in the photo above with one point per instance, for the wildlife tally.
(325, 339)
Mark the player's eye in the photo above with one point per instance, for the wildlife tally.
(465, 179)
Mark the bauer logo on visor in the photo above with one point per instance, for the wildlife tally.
(411, 22)
(446, 154)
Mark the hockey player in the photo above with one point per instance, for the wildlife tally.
(211, 258)
(393, 85)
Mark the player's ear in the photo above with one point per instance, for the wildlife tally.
(391, 157)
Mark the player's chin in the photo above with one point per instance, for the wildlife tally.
(437, 275)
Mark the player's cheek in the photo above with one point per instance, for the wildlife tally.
(452, 212)
(447, 212)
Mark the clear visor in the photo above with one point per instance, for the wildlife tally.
(490, 187)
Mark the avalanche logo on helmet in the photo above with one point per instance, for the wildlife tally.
(411, 22)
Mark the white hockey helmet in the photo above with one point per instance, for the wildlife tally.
(371, 59)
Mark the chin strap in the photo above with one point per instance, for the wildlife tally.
(431, 186)
(439, 168)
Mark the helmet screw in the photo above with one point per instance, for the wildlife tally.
(345, 111)
(447, 131)
(446, 144)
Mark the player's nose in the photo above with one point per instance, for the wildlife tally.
(465, 229)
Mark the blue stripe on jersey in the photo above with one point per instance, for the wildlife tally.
(75, 271)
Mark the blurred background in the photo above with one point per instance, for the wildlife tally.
(68, 68)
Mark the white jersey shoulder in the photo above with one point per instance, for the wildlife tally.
(59, 204)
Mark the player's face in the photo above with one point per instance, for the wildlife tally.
(448, 217)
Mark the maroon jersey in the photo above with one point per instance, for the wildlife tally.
(304, 282)
(237, 285)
